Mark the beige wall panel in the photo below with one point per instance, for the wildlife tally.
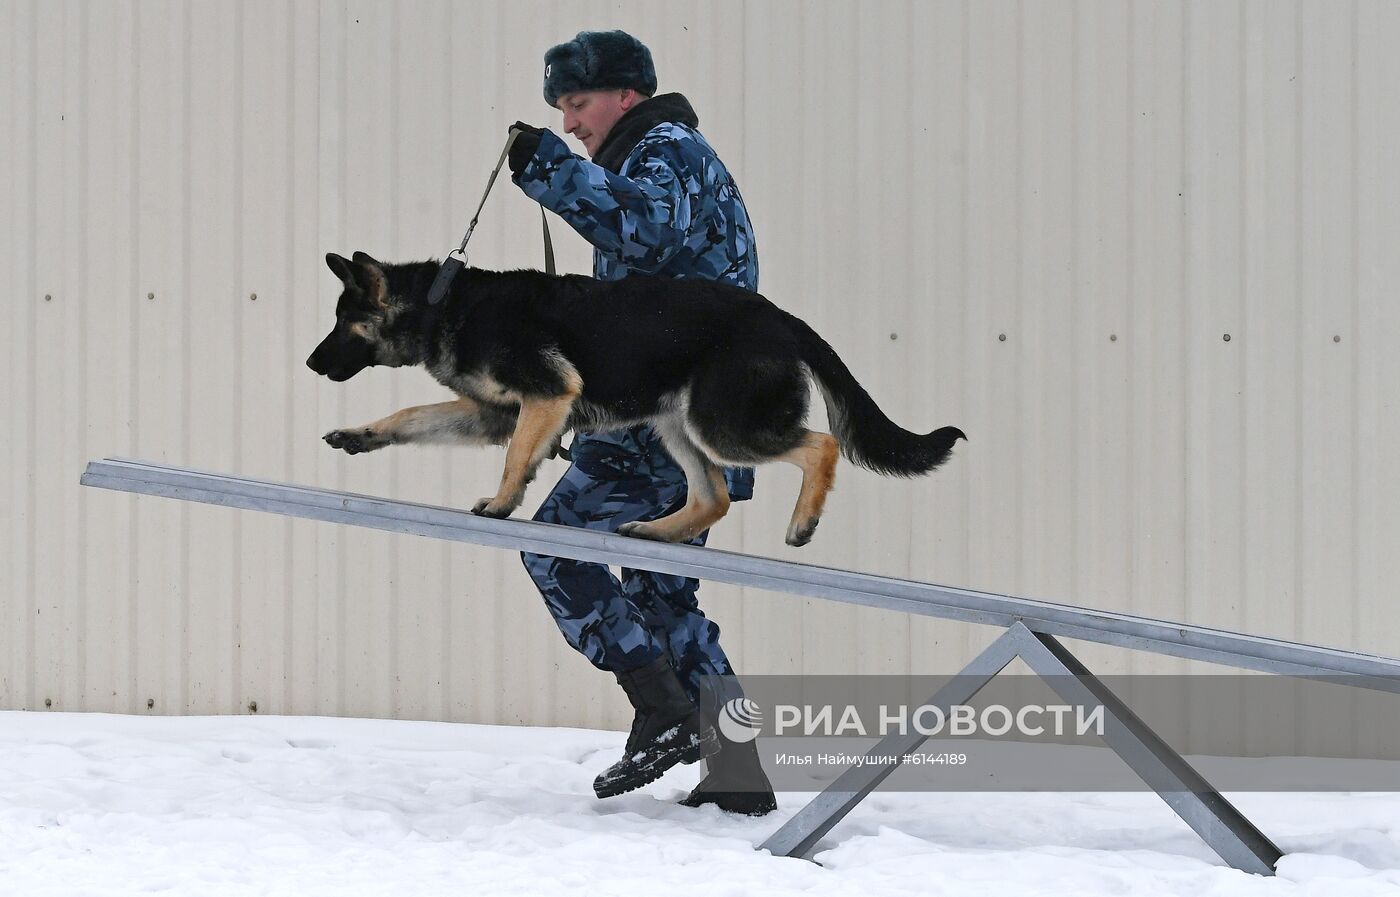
(1376, 325)
(1038, 221)
(11, 636)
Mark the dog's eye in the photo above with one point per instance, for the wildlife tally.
(361, 330)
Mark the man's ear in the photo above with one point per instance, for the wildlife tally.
(340, 267)
(371, 279)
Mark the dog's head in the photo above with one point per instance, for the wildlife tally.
(362, 315)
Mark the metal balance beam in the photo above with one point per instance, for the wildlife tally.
(1032, 631)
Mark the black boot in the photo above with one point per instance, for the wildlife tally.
(668, 730)
(735, 782)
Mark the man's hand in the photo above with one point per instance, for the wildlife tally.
(523, 150)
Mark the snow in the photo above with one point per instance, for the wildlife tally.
(95, 804)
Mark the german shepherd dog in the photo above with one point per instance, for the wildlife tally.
(719, 371)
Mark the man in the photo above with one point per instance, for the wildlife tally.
(655, 199)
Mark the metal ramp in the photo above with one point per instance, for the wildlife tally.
(1033, 629)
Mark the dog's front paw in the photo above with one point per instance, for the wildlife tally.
(353, 442)
(489, 507)
(641, 530)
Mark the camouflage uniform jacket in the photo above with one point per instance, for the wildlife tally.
(670, 209)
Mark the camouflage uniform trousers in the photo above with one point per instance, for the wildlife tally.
(616, 478)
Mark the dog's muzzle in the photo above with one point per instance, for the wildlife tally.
(340, 359)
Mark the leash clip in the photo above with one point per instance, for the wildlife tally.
(457, 259)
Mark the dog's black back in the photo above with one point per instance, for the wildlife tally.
(635, 343)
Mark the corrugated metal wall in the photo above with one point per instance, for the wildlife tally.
(1143, 253)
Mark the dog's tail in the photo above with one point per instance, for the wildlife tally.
(866, 435)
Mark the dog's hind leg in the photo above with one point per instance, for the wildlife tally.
(816, 455)
(751, 411)
(460, 421)
(536, 435)
(707, 495)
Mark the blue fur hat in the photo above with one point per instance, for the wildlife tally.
(598, 60)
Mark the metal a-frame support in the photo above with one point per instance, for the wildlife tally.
(1214, 818)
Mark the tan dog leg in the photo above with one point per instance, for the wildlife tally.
(707, 495)
(817, 457)
(703, 509)
(537, 431)
(460, 421)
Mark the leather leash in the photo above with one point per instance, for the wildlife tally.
(457, 259)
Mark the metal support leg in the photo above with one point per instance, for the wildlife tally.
(1194, 799)
(800, 835)
(1184, 789)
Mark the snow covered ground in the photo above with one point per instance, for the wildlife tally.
(109, 805)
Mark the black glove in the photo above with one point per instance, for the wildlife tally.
(524, 147)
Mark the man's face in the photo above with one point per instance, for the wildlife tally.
(590, 114)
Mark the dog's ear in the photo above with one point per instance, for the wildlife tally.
(340, 267)
(372, 279)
